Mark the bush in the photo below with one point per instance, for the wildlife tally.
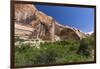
(86, 46)
(49, 53)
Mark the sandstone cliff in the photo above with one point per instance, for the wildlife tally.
(33, 23)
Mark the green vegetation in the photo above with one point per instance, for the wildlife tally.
(56, 52)
(87, 45)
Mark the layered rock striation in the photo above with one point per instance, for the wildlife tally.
(31, 23)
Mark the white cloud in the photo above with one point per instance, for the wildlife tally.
(89, 32)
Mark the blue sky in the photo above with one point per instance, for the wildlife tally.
(78, 17)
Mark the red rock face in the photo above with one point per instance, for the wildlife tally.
(40, 25)
(24, 13)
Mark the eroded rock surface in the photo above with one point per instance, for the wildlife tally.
(39, 25)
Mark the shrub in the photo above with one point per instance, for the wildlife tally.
(86, 46)
(49, 53)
